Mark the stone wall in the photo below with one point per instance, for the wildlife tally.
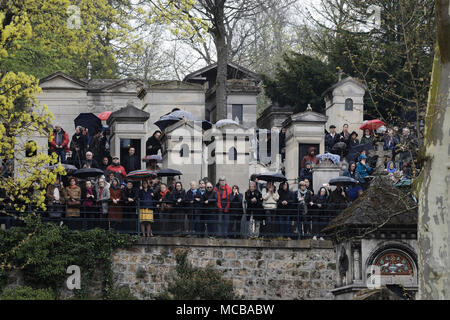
(303, 269)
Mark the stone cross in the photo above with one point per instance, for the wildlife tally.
(379, 169)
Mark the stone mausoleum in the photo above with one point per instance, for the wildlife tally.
(231, 147)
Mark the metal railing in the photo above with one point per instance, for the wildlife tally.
(295, 222)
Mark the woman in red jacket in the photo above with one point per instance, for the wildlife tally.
(60, 143)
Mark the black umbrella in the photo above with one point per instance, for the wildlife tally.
(342, 180)
(271, 176)
(88, 173)
(166, 120)
(90, 121)
(206, 125)
(356, 150)
(168, 173)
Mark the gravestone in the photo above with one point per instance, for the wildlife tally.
(128, 124)
(323, 172)
(302, 128)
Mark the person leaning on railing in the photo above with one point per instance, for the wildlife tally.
(130, 198)
(163, 204)
(285, 211)
(270, 198)
(209, 200)
(103, 197)
(236, 211)
(73, 201)
(115, 207)
(146, 209)
(179, 208)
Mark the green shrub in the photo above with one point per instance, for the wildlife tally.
(193, 283)
(27, 293)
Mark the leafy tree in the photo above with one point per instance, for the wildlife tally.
(299, 81)
(193, 283)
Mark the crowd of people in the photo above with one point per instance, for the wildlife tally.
(206, 208)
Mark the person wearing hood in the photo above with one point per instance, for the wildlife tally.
(363, 170)
(310, 157)
(390, 168)
(60, 143)
(285, 204)
(115, 210)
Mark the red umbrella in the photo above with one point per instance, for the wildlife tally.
(104, 115)
(372, 125)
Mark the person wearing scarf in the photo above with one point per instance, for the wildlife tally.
(163, 204)
(88, 199)
(115, 209)
(304, 200)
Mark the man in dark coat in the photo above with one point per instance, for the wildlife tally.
(131, 162)
(78, 146)
(153, 145)
(209, 200)
(331, 139)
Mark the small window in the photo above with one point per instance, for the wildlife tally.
(184, 152)
(232, 154)
(236, 113)
(349, 104)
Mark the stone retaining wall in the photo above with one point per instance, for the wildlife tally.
(295, 269)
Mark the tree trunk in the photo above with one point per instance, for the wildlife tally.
(434, 181)
(222, 62)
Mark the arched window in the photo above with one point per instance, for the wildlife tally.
(184, 152)
(349, 104)
(232, 154)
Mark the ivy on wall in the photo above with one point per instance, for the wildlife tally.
(43, 251)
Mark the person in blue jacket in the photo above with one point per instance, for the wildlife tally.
(363, 170)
